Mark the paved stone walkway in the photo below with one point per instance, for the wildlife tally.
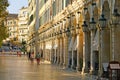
(19, 68)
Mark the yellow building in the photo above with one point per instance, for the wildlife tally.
(23, 24)
(31, 24)
(12, 27)
(78, 34)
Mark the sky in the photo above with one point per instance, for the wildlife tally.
(15, 5)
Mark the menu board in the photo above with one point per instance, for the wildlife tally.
(114, 66)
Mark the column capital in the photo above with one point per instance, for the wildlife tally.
(85, 29)
(73, 32)
(77, 29)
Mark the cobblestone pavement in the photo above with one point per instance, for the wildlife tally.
(19, 68)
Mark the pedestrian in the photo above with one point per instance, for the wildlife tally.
(28, 54)
(32, 57)
(17, 53)
(37, 57)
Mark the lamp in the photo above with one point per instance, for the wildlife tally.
(92, 24)
(102, 21)
(85, 10)
(84, 26)
(78, 16)
(60, 33)
(115, 18)
(72, 26)
(68, 31)
(72, 30)
(78, 27)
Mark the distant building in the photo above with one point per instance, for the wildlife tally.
(12, 26)
(23, 24)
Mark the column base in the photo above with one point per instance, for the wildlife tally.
(92, 72)
(61, 64)
(78, 68)
(85, 70)
(58, 62)
(73, 67)
(64, 65)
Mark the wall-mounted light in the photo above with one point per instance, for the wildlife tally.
(115, 17)
(92, 24)
(85, 26)
(68, 31)
(102, 21)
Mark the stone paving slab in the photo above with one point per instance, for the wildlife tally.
(19, 68)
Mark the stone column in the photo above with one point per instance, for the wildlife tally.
(78, 46)
(44, 49)
(73, 56)
(52, 53)
(66, 59)
(104, 48)
(58, 51)
(78, 53)
(116, 43)
(64, 62)
(105, 45)
(92, 67)
(86, 50)
(66, 52)
(61, 51)
(55, 56)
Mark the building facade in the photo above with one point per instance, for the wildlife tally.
(31, 24)
(23, 24)
(12, 27)
(77, 34)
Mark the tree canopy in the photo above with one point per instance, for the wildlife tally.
(3, 14)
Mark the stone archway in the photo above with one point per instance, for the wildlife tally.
(87, 17)
(106, 10)
(95, 14)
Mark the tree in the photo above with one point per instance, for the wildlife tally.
(3, 14)
(23, 46)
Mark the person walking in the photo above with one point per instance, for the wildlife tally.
(38, 58)
(29, 54)
(32, 57)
